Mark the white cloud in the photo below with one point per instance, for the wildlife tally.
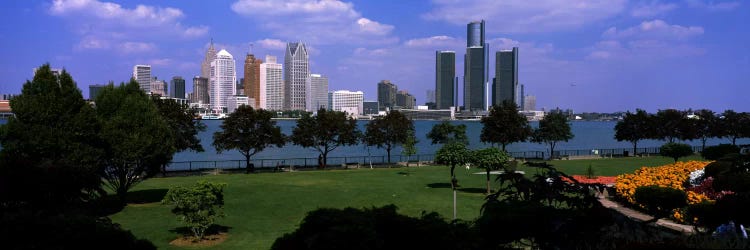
(651, 9)
(136, 47)
(101, 24)
(435, 41)
(655, 29)
(161, 62)
(316, 21)
(522, 16)
(272, 44)
(642, 50)
(714, 5)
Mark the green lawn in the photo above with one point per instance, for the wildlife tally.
(261, 207)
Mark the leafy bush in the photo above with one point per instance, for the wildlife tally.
(717, 152)
(706, 215)
(714, 169)
(198, 205)
(736, 182)
(660, 201)
(676, 150)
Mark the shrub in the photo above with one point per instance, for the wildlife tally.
(714, 169)
(736, 182)
(660, 201)
(717, 152)
(676, 150)
(198, 205)
(706, 215)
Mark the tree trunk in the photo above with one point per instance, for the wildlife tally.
(453, 166)
(388, 150)
(248, 168)
(703, 140)
(488, 182)
(635, 147)
(551, 150)
(504, 147)
(325, 160)
(734, 140)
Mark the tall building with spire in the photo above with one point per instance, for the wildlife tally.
(445, 73)
(206, 64)
(223, 80)
(252, 79)
(296, 76)
(271, 84)
(475, 67)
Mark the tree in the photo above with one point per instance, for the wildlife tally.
(634, 127)
(138, 139)
(504, 125)
(388, 131)
(553, 128)
(675, 150)
(184, 128)
(445, 132)
(325, 132)
(410, 148)
(198, 206)
(734, 125)
(669, 125)
(50, 150)
(249, 131)
(452, 155)
(705, 126)
(489, 159)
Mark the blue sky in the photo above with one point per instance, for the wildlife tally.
(607, 55)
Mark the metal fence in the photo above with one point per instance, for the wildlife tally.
(382, 160)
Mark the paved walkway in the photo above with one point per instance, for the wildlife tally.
(633, 214)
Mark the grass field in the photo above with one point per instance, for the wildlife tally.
(261, 207)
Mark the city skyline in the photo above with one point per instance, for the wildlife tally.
(593, 56)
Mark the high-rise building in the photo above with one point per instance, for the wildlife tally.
(370, 107)
(405, 100)
(296, 76)
(235, 101)
(177, 87)
(529, 103)
(346, 101)
(521, 98)
(387, 94)
(94, 90)
(158, 87)
(200, 90)
(142, 75)
(223, 80)
(318, 93)
(271, 85)
(430, 96)
(475, 69)
(505, 84)
(251, 81)
(445, 72)
(209, 57)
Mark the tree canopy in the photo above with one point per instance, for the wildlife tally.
(489, 159)
(453, 154)
(634, 127)
(249, 131)
(325, 132)
(446, 132)
(138, 139)
(504, 125)
(734, 125)
(388, 131)
(553, 128)
(182, 125)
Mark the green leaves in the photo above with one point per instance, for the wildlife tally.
(249, 131)
(489, 158)
(445, 132)
(388, 131)
(198, 206)
(325, 131)
(552, 129)
(505, 125)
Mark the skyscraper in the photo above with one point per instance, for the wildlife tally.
(445, 72)
(271, 85)
(529, 102)
(318, 92)
(200, 90)
(177, 87)
(387, 94)
(206, 64)
(475, 70)
(252, 78)
(405, 100)
(223, 80)
(505, 84)
(521, 98)
(296, 76)
(142, 75)
(158, 87)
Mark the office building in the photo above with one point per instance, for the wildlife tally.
(223, 80)
(318, 93)
(475, 67)
(235, 101)
(529, 103)
(251, 81)
(209, 57)
(296, 76)
(521, 98)
(346, 101)
(142, 75)
(405, 100)
(177, 87)
(505, 84)
(158, 87)
(370, 107)
(94, 90)
(387, 94)
(445, 72)
(272, 85)
(200, 90)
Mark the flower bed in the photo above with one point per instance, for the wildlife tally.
(604, 180)
(671, 175)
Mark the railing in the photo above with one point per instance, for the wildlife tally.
(382, 160)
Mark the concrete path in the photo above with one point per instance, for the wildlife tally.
(636, 215)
